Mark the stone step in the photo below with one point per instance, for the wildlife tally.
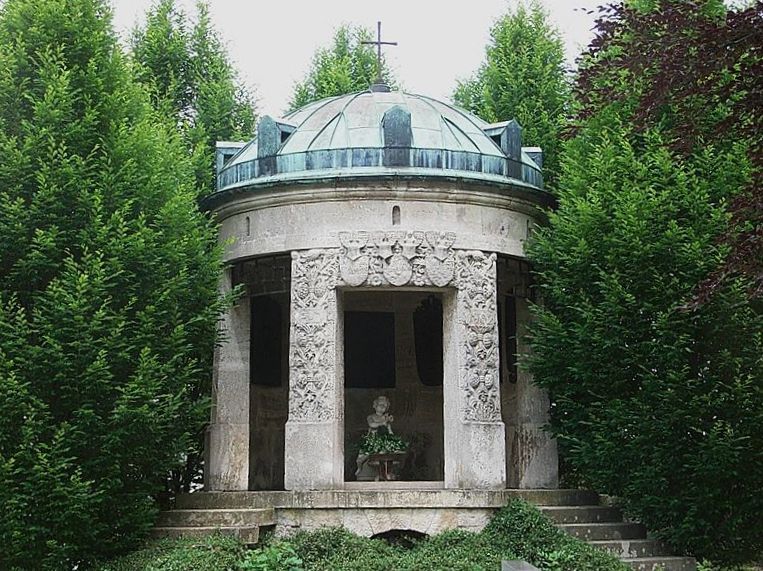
(582, 514)
(630, 548)
(598, 531)
(387, 498)
(662, 563)
(224, 518)
(248, 535)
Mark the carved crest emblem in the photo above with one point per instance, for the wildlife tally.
(353, 264)
(440, 263)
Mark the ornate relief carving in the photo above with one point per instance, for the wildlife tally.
(477, 314)
(397, 258)
(312, 354)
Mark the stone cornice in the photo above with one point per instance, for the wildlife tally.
(400, 187)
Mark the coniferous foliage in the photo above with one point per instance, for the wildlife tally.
(108, 291)
(191, 79)
(696, 70)
(656, 398)
(344, 67)
(523, 77)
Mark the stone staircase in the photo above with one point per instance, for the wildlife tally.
(245, 524)
(603, 527)
(579, 513)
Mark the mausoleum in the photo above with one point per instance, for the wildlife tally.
(377, 244)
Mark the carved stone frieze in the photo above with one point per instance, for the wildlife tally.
(397, 258)
(312, 351)
(392, 259)
(477, 314)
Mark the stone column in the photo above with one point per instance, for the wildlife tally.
(534, 462)
(227, 450)
(315, 429)
(475, 449)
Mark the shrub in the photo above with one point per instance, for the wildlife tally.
(518, 531)
(278, 556)
(213, 553)
(650, 338)
(522, 529)
(653, 402)
(337, 548)
(108, 292)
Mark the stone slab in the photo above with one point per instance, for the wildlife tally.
(391, 497)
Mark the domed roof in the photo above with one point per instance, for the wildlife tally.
(380, 132)
(355, 121)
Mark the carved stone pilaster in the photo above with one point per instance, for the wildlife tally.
(315, 431)
(312, 352)
(477, 314)
(474, 435)
(397, 258)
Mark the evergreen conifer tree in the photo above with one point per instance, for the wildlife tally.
(523, 78)
(658, 399)
(344, 67)
(108, 291)
(191, 79)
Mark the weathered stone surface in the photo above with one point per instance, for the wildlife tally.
(397, 258)
(424, 498)
(662, 564)
(533, 458)
(228, 468)
(315, 429)
(597, 531)
(582, 514)
(217, 517)
(368, 522)
(314, 389)
(428, 511)
(630, 548)
(478, 327)
(284, 220)
(314, 455)
(228, 434)
(326, 187)
(474, 443)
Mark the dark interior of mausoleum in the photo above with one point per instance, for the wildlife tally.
(393, 349)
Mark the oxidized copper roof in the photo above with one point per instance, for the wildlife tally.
(345, 135)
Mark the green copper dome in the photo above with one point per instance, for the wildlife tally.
(382, 133)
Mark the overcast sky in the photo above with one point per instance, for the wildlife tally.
(272, 43)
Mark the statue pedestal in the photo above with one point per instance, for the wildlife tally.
(387, 465)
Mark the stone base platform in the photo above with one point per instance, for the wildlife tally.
(370, 511)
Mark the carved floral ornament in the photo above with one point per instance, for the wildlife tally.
(397, 259)
(477, 312)
(312, 354)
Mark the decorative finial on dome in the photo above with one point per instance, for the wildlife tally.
(379, 84)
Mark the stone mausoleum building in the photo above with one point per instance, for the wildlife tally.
(368, 375)
(378, 242)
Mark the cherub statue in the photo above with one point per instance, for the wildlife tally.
(380, 422)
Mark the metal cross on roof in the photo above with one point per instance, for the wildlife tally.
(379, 43)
